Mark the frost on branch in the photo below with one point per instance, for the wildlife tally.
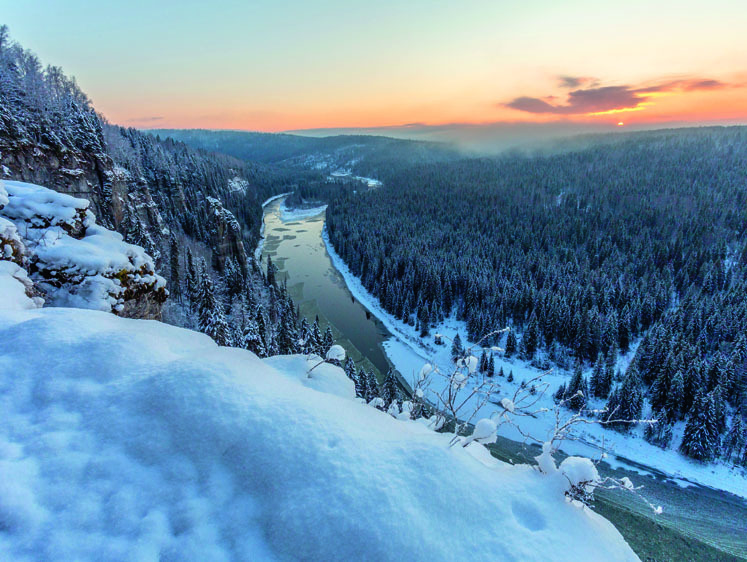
(582, 477)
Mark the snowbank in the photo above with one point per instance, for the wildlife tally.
(133, 440)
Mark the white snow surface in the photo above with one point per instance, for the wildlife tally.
(41, 206)
(14, 283)
(129, 439)
(409, 353)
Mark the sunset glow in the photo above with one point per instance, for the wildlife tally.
(262, 66)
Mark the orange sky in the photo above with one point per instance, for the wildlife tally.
(273, 66)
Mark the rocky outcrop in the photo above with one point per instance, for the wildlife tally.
(73, 261)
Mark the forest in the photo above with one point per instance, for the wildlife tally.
(631, 245)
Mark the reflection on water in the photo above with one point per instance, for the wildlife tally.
(297, 249)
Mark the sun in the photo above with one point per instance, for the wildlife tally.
(620, 123)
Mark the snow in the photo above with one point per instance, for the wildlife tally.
(347, 174)
(3, 195)
(288, 214)
(238, 184)
(128, 439)
(409, 354)
(580, 472)
(42, 207)
(75, 261)
(14, 284)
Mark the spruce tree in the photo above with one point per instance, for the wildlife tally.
(361, 384)
(491, 366)
(372, 386)
(577, 390)
(597, 380)
(511, 344)
(734, 440)
(328, 341)
(389, 389)
(457, 350)
(700, 440)
(175, 286)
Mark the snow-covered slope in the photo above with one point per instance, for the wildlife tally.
(133, 440)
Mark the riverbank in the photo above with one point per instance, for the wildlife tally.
(408, 352)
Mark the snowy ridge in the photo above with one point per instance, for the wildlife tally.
(129, 439)
(408, 353)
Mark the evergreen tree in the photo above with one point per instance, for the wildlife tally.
(176, 286)
(626, 402)
(531, 338)
(328, 341)
(372, 386)
(389, 389)
(457, 350)
(491, 366)
(483, 364)
(511, 344)
(251, 339)
(597, 381)
(577, 390)
(349, 368)
(735, 437)
(700, 440)
(361, 384)
(211, 319)
(510, 377)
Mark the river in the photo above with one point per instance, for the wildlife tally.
(698, 523)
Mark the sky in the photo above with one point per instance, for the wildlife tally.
(274, 65)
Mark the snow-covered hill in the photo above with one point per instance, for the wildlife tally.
(134, 440)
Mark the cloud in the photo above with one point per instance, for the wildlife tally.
(575, 81)
(606, 98)
(145, 119)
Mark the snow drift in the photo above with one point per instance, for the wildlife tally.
(133, 440)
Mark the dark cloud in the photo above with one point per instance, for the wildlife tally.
(575, 81)
(605, 98)
(590, 100)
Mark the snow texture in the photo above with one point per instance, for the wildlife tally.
(133, 440)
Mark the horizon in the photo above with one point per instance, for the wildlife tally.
(416, 70)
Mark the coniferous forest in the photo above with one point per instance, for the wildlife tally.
(634, 244)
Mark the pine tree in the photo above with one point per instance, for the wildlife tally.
(349, 368)
(491, 366)
(626, 402)
(328, 341)
(531, 338)
(211, 319)
(372, 386)
(316, 343)
(700, 440)
(457, 350)
(483, 365)
(251, 339)
(510, 377)
(361, 384)
(577, 390)
(389, 389)
(676, 396)
(175, 286)
(734, 440)
(597, 380)
(511, 344)
(191, 276)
